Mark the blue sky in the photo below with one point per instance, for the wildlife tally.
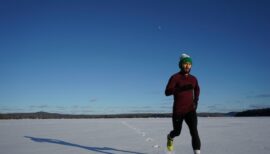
(116, 56)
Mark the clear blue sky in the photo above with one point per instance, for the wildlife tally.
(116, 56)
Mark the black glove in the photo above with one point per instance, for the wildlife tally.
(183, 88)
(195, 104)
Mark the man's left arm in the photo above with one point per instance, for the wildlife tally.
(196, 94)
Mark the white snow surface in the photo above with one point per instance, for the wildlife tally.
(219, 135)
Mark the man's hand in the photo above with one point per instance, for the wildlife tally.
(195, 104)
(183, 88)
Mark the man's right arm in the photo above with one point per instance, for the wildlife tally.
(170, 88)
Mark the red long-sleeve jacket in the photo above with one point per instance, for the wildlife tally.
(185, 90)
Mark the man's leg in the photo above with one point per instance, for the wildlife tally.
(192, 122)
(177, 126)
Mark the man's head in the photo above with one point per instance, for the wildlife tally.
(185, 63)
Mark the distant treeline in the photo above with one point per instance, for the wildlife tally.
(46, 115)
(254, 113)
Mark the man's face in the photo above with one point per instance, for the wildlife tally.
(186, 67)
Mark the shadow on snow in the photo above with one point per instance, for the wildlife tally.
(104, 150)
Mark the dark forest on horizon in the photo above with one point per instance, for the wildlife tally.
(46, 115)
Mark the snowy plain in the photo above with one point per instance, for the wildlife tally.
(219, 135)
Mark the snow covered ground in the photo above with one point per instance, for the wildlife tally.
(132, 136)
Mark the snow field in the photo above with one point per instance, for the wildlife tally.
(132, 136)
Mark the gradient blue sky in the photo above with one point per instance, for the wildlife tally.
(116, 56)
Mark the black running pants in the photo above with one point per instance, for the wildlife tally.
(192, 122)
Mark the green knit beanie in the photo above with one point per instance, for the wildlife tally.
(185, 59)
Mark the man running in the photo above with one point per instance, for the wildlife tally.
(185, 90)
